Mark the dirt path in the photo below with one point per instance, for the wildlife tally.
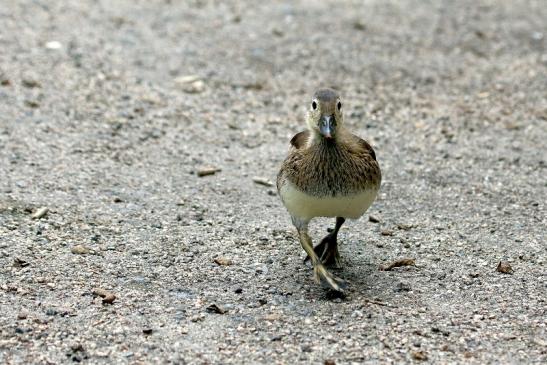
(108, 112)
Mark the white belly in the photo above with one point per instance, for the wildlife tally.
(305, 206)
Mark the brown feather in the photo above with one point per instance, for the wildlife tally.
(300, 139)
(344, 166)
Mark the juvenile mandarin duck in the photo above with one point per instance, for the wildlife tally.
(329, 172)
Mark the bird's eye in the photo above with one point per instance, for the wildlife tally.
(313, 105)
(339, 105)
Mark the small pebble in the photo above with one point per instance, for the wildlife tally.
(358, 25)
(195, 87)
(262, 181)
(404, 227)
(398, 263)
(17, 262)
(77, 347)
(402, 287)
(373, 219)
(419, 355)
(40, 213)
(206, 171)
(54, 45)
(215, 308)
(108, 297)
(223, 261)
(504, 267)
(187, 79)
(32, 103)
(80, 250)
(30, 83)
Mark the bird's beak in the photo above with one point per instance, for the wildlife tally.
(326, 126)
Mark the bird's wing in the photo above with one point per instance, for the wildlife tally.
(300, 139)
(365, 146)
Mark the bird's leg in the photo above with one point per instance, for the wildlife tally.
(327, 249)
(320, 273)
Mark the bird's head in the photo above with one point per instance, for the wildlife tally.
(325, 114)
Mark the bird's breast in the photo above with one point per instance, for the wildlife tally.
(332, 171)
(306, 206)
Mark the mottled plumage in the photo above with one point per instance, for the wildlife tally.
(330, 168)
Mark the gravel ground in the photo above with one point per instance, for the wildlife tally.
(109, 111)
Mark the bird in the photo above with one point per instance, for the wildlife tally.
(328, 172)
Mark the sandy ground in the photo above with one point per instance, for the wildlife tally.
(109, 109)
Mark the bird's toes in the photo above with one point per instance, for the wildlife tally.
(332, 260)
(327, 280)
(334, 283)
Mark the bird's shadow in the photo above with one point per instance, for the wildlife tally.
(363, 280)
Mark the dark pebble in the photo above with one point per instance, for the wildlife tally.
(402, 287)
(373, 219)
